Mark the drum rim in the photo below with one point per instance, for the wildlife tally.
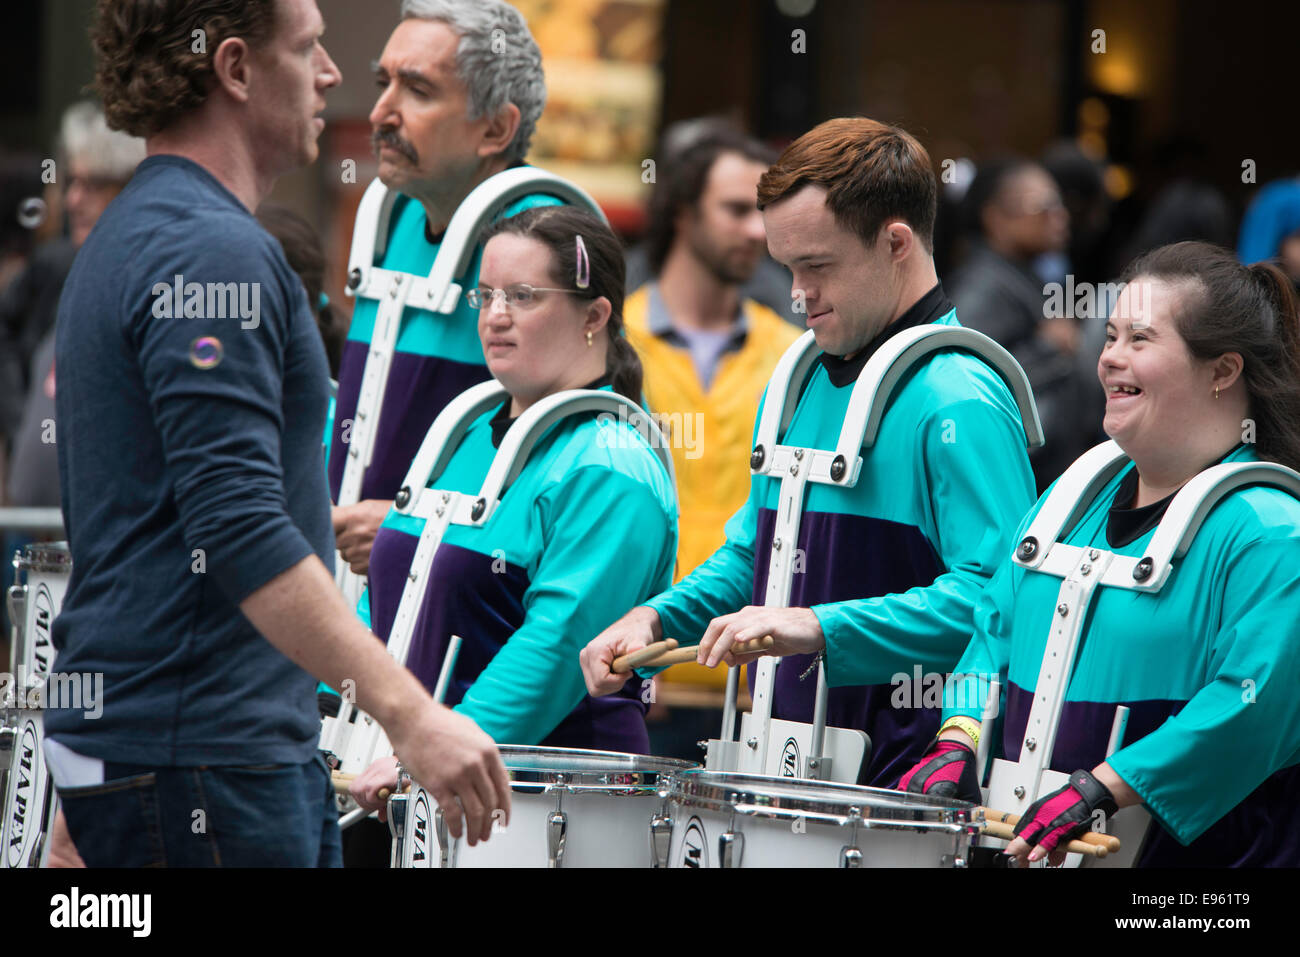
(638, 773)
(44, 557)
(724, 790)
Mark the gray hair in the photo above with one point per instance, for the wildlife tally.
(84, 136)
(497, 60)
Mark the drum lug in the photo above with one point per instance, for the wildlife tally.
(16, 599)
(396, 825)
(731, 848)
(556, 825)
(661, 838)
(850, 857)
(8, 735)
(444, 840)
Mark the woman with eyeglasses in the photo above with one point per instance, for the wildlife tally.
(586, 531)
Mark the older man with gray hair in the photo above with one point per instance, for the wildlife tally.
(461, 89)
(93, 164)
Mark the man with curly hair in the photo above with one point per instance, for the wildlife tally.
(192, 396)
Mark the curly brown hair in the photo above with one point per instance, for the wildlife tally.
(148, 72)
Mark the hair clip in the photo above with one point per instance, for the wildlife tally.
(583, 277)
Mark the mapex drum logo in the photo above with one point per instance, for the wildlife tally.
(695, 847)
(42, 618)
(790, 759)
(24, 793)
(420, 831)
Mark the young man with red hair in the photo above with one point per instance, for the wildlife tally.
(892, 565)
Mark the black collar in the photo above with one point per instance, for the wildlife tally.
(933, 305)
(502, 421)
(1125, 524)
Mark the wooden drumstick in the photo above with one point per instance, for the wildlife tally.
(683, 655)
(626, 663)
(1108, 841)
(1006, 832)
(678, 656)
(342, 781)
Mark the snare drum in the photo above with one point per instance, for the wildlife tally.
(569, 808)
(722, 819)
(41, 575)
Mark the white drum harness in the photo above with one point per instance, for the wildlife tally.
(357, 740)
(1014, 786)
(832, 753)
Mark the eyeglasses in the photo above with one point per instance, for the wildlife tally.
(517, 295)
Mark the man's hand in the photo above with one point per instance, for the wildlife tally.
(365, 786)
(638, 628)
(63, 853)
(794, 631)
(355, 527)
(456, 761)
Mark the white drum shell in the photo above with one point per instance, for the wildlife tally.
(799, 823)
(28, 787)
(607, 800)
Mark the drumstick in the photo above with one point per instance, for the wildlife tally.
(342, 780)
(626, 663)
(1006, 832)
(1108, 841)
(678, 656)
(683, 655)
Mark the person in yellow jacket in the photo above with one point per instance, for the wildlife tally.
(707, 351)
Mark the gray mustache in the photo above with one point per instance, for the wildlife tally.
(391, 139)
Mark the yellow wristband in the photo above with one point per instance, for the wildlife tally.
(963, 723)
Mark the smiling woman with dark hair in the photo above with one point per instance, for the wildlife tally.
(1201, 368)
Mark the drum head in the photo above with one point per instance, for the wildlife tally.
(588, 770)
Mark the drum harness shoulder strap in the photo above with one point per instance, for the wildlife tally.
(439, 292)
(795, 467)
(440, 509)
(1083, 569)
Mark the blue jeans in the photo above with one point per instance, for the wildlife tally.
(266, 816)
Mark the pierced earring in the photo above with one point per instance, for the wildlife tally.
(1216, 392)
(588, 338)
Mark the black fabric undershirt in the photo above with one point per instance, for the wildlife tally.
(933, 305)
(1124, 524)
(502, 421)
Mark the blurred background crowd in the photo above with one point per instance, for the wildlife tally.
(1069, 137)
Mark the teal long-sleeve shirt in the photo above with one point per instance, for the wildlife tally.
(1209, 668)
(588, 530)
(892, 567)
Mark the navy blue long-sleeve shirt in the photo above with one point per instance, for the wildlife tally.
(192, 474)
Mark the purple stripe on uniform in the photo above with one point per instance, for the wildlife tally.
(419, 387)
(846, 557)
(1256, 833)
(467, 596)
(1084, 730)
